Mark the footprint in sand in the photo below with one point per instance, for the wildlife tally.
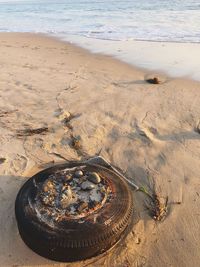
(37, 150)
(17, 83)
(149, 134)
(28, 86)
(18, 164)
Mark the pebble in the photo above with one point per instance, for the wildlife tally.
(2, 160)
(94, 178)
(137, 240)
(87, 185)
(154, 80)
(78, 174)
(198, 128)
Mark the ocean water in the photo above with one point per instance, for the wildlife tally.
(153, 20)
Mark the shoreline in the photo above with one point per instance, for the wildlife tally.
(154, 65)
(149, 131)
(169, 58)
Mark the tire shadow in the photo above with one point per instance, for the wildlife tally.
(13, 252)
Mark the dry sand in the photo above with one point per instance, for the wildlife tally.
(146, 130)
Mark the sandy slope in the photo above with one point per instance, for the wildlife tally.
(147, 130)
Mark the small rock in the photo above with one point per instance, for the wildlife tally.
(94, 178)
(78, 174)
(198, 128)
(137, 240)
(2, 160)
(154, 80)
(87, 185)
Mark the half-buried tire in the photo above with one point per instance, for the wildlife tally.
(64, 238)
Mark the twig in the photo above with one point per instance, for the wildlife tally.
(29, 132)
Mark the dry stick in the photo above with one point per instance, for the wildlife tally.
(57, 155)
(29, 132)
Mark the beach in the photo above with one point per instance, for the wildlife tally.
(171, 58)
(150, 131)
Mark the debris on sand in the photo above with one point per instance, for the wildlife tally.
(5, 113)
(197, 128)
(76, 142)
(154, 80)
(67, 118)
(64, 195)
(29, 132)
(156, 205)
(2, 160)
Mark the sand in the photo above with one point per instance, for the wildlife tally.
(174, 58)
(146, 130)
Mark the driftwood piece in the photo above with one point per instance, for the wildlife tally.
(29, 132)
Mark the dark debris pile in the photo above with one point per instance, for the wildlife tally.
(72, 193)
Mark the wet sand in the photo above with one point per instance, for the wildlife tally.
(149, 131)
(174, 58)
